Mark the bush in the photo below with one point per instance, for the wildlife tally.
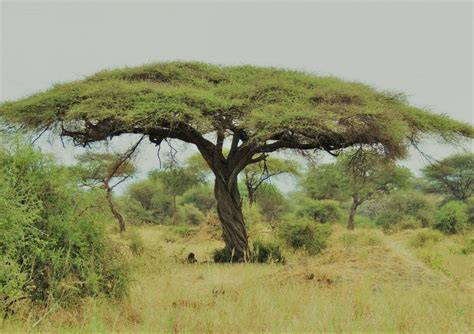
(272, 203)
(364, 222)
(408, 223)
(424, 237)
(202, 197)
(407, 206)
(136, 244)
(191, 215)
(260, 251)
(361, 238)
(51, 248)
(266, 252)
(322, 211)
(451, 217)
(305, 234)
(470, 210)
(469, 247)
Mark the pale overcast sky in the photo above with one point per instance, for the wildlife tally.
(422, 48)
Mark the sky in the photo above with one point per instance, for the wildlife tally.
(422, 48)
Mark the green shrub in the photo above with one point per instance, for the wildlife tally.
(51, 247)
(470, 210)
(263, 252)
(222, 255)
(424, 237)
(136, 244)
(271, 202)
(322, 211)
(361, 238)
(305, 234)
(364, 222)
(192, 215)
(404, 206)
(451, 217)
(408, 223)
(468, 247)
(202, 197)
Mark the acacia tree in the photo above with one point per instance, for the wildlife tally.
(453, 176)
(109, 170)
(358, 180)
(259, 110)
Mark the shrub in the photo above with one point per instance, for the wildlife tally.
(266, 252)
(469, 247)
(364, 222)
(51, 247)
(408, 223)
(361, 238)
(202, 197)
(191, 214)
(272, 203)
(451, 217)
(406, 206)
(322, 211)
(260, 251)
(470, 210)
(424, 237)
(136, 244)
(305, 234)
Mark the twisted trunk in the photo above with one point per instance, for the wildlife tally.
(356, 201)
(117, 215)
(229, 209)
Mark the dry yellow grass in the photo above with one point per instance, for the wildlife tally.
(364, 282)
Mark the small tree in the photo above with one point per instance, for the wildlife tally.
(453, 176)
(358, 178)
(109, 170)
(176, 181)
(259, 110)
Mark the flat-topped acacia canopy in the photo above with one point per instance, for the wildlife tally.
(260, 109)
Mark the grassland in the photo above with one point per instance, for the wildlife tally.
(364, 281)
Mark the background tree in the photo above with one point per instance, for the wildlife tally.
(259, 111)
(176, 181)
(109, 170)
(453, 176)
(358, 180)
(257, 174)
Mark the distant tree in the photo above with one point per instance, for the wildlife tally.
(359, 180)
(257, 174)
(109, 170)
(176, 181)
(259, 110)
(453, 176)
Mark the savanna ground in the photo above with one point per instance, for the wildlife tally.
(363, 281)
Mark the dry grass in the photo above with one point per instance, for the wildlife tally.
(364, 281)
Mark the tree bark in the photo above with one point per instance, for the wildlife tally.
(117, 215)
(229, 209)
(355, 204)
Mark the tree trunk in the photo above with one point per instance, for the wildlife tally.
(251, 194)
(355, 204)
(116, 214)
(229, 209)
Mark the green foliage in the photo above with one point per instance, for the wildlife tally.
(451, 217)
(470, 210)
(272, 203)
(468, 247)
(264, 102)
(191, 215)
(147, 201)
(264, 252)
(400, 208)
(136, 244)
(305, 234)
(453, 175)
(361, 238)
(51, 248)
(201, 196)
(323, 211)
(425, 237)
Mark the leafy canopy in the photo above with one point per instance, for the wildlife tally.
(453, 176)
(264, 109)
